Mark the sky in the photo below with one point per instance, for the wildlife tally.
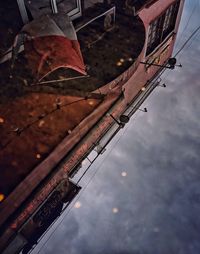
(143, 195)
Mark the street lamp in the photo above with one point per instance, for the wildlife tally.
(123, 119)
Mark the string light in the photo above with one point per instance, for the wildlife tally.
(39, 119)
(91, 102)
(41, 123)
(115, 210)
(2, 197)
(1, 120)
(38, 156)
(77, 204)
(119, 64)
(124, 174)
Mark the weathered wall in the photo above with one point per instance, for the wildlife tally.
(141, 76)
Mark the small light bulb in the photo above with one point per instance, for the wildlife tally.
(119, 64)
(124, 173)
(2, 197)
(77, 205)
(1, 120)
(91, 103)
(115, 210)
(38, 156)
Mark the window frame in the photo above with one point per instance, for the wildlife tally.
(166, 23)
(75, 13)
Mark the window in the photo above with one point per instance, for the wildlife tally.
(72, 7)
(161, 27)
(38, 7)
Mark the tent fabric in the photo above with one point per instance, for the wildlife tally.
(48, 53)
(54, 24)
(42, 26)
(51, 44)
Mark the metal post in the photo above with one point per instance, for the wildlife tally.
(22, 10)
(54, 6)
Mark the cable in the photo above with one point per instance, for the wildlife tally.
(187, 23)
(78, 197)
(18, 130)
(186, 42)
(87, 184)
(188, 46)
(103, 161)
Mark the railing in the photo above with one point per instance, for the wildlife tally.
(111, 11)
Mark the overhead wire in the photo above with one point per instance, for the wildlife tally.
(103, 161)
(89, 181)
(19, 131)
(196, 34)
(87, 184)
(186, 42)
(190, 38)
(187, 23)
(189, 45)
(82, 191)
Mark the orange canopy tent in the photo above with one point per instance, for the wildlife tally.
(50, 42)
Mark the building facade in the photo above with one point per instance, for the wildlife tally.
(120, 85)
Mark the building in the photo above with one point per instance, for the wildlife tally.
(47, 131)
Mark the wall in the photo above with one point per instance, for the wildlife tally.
(141, 76)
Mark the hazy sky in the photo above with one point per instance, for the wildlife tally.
(157, 204)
